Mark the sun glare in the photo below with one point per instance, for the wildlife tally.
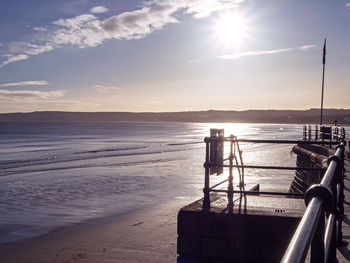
(231, 29)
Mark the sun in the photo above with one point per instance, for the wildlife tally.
(231, 29)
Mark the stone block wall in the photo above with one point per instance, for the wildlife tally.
(259, 233)
(309, 155)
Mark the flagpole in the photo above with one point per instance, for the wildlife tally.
(324, 64)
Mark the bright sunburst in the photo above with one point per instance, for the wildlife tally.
(231, 29)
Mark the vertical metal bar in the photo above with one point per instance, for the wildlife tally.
(340, 205)
(304, 132)
(322, 134)
(337, 133)
(330, 137)
(333, 248)
(230, 180)
(316, 132)
(332, 224)
(329, 240)
(317, 245)
(309, 135)
(206, 200)
(324, 64)
(340, 201)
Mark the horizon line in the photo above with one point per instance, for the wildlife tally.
(180, 111)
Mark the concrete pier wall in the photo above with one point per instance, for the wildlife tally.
(247, 228)
(253, 229)
(309, 155)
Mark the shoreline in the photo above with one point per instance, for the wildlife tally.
(146, 235)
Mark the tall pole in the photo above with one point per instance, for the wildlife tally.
(324, 64)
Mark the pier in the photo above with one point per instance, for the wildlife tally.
(306, 224)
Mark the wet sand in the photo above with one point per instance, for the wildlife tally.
(147, 235)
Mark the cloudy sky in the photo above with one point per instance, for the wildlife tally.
(172, 55)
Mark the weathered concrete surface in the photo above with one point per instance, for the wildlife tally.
(343, 253)
(254, 229)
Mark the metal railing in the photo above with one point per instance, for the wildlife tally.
(320, 227)
(215, 162)
(326, 134)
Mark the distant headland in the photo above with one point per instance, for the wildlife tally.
(247, 116)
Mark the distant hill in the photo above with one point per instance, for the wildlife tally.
(249, 116)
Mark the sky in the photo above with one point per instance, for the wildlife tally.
(172, 55)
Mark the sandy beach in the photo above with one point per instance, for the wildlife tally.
(147, 235)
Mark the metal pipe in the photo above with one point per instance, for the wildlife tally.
(275, 167)
(227, 139)
(230, 181)
(276, 141)
(329, 236)
(317, 243)
(206, 200)
(257, 192)
(332, 168)
(299, 245)
(329, 174)
(216, 185)
(340, 205)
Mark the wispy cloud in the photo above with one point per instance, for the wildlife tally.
(41, 29)
(347, 5)
(87, 30)
(26, 83)
(23, 50)
(265, 52)
(105, 89)
(30, 94)
(13, 58)
(306, 47)
(99, 9)
(29, 48)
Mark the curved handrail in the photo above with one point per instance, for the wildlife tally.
(319, 199)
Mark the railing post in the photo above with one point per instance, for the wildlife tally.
(309, 133)
(230, 179)
(337, 134)
(340, 214)
(322, 134)
(304, 132)
(317, 245)
(316, 132)
(206, 200)
(332, 257)
(340, 197)
(330, 137)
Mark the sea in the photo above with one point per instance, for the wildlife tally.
(57, 174)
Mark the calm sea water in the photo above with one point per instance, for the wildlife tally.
(54, 174)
